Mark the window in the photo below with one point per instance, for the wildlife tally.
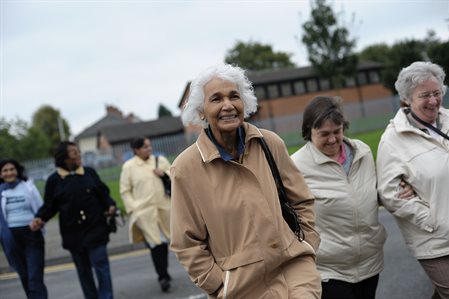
(273, 91)
(374, 77)
(350, 82)
(361, 78)
(312, 85)
(260, 92)
(299, 87)
(286, 89)
(325, 84)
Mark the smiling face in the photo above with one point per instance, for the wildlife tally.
(328, 139)
(223, 107)
(426, 100)
(8, 173)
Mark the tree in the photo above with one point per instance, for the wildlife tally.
(21, 142)
(439, 54)
(48, 119)
(256, 56)
(35, 144)
(377, 53)
(164, 111)
(402, 54)
(8, 143)
(329, 46)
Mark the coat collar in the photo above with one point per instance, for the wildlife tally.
(139, 161)
(64, 172)
(403, 122)
(209, 151)
(321, 158)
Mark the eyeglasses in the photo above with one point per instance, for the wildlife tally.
(428, 95)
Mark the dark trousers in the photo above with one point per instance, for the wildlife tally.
(337, 289)
(96, 258)
(31, 251)
(159, 255)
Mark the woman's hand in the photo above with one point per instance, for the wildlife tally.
(158, 172)
(111, 211)
(36, 224)
(406, 191)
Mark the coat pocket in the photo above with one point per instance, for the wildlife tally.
(243, 272)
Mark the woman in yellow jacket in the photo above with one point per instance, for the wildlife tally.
(147, 205)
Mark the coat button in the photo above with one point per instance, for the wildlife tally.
(274, 246)
(82, 212)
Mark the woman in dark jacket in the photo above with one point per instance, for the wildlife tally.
(83, 202)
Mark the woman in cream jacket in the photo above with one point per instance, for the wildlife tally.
(411, 151)
(147, 204)
(341, 174)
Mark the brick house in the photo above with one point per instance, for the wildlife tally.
(109, 137)
(287, 91)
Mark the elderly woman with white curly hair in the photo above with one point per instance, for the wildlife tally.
(227, 228)
(415, 148)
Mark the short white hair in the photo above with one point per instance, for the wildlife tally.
(195, 102)
(415, 74)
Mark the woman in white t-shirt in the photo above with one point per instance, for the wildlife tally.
(24, 249)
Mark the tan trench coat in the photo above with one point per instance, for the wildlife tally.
(226, 223)
(145, 201)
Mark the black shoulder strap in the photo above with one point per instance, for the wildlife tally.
(274, 170)
(428, 125)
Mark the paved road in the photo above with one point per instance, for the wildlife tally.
(134, 276)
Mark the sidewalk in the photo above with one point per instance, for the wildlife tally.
(55, 254)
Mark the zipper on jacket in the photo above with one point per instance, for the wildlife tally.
(225, 286)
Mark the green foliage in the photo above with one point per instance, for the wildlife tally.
(377, 52)
(439, 54)
(47, 119)
(20, 142)
(403, 53)
(394, 58)
(329, 45)
(35, 144)
(164, 111)
(7, 140)
(256, 56)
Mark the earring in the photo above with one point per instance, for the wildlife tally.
(202, 117)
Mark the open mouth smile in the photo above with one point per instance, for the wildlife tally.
(228, 117)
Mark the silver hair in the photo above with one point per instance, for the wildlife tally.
(195, 102)
(415, 74)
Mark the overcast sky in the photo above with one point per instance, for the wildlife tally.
(80, 55)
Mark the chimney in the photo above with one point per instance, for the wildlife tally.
(112, 110)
